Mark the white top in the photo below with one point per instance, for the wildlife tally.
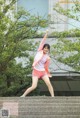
(40, 64)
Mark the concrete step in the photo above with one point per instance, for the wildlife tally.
(50, 116)
(41, 107)
(43, 99)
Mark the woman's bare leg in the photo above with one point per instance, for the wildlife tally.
(49, 85)
(34, 85)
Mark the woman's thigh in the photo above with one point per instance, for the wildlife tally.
(34, 80)
(46, 80)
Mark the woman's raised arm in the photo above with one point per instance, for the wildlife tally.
(43, 41)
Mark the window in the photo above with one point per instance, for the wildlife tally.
(72, 23)
(38, 7)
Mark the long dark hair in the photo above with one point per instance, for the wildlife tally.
(47, 45)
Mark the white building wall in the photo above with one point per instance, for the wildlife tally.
(58, 21)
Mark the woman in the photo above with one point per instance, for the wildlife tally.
(40, 68)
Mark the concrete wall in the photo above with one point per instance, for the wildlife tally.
(58, 21)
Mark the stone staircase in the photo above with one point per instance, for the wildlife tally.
(40, 107)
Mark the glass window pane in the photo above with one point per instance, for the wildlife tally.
(39, 7)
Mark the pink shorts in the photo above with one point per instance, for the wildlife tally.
(39, 74)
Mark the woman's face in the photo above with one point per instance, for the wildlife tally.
(45, 50)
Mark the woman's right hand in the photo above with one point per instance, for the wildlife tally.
(47, 31)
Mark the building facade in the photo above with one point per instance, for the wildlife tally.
(44, 8)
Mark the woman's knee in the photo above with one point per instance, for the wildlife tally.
(34, 86)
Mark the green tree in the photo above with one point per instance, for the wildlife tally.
(68, 49)
(17, 30)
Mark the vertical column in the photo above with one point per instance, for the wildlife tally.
(52, 13)
(64, 5)
(58, 22)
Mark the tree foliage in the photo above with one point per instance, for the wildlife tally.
(16, 30)
(68, 49)
(70, 12)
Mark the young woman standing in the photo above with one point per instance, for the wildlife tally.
(40, 68)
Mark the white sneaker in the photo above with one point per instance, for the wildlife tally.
(22, 96)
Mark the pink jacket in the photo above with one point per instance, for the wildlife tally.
(39, 56)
